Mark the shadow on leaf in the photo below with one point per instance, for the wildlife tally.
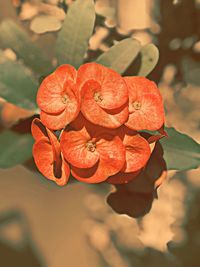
(136, 197)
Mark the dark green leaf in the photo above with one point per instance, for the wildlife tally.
(14, 37)
(121, 55)
(15, 148)
(181, 152)
(16, 84)
(73, 38)
(149, 56)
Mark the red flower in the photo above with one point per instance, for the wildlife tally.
(57, 98)
(137, 155)
(104, 95)
(47, 154)
(146, 111)
(100, 113)
(93, 155)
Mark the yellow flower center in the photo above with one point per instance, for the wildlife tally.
(98, 97)
(65, 98)
(137, 105)
(90, 146)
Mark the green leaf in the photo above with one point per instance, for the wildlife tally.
(12, 36)
(181, 152)
(149, 56)
(120, 56)
(17, 85)
(15, 148)
(72, 42)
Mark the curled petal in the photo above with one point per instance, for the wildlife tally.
(38, 130)
(146, 111)
(93, 112)
(112, 89)
(54, 90)
(49, 165)
(78, 149)
(111, 161)
(154, 138)
(66, 70)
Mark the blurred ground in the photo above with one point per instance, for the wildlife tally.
(55, 216)
(74, 225)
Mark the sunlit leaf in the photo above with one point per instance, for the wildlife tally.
(15, 148)
(17, 85)
(181, 152)
(121, 55)
(73, 38)
(149, 56)
(105, 11)
(44, 23)
(12, 36)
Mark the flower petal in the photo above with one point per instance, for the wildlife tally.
(45, 162)
(57, 121)
(38, 130)
(95, 114)
(54, 121)
(149, 115)
(112, 88)
(54, 87)
(111, 161)
(75, 151)
(137, 153)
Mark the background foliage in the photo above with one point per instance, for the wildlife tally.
(26, 57)
(19, 80)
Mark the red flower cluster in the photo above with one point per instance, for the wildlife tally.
(98, 114)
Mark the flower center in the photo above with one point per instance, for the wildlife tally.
(137, 105)
(90, 146)
(65, 98)
(98, 97)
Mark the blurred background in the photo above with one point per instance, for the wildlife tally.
(44, 225)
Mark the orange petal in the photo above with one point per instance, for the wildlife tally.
(38, 129)
(60, 120)
(45, 162)
(93, 112)
(80, 122)
(95, 130)
(146, 111)
(75, 151)
(54, 90)
(137, 152)
(112, 88)
(55, 148)
(111, 161)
